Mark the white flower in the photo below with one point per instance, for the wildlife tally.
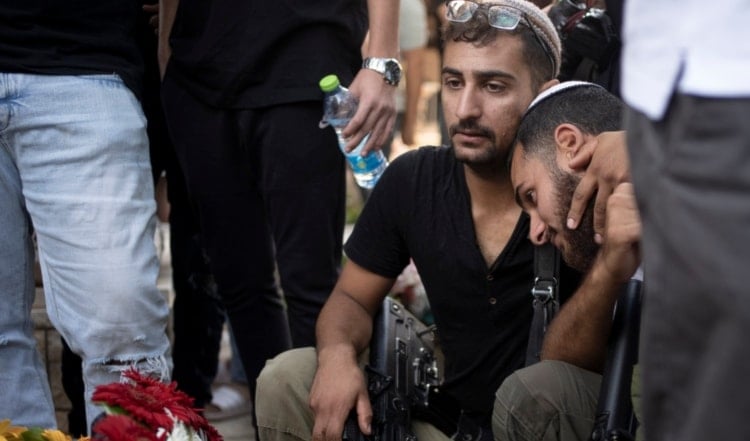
(181, 432)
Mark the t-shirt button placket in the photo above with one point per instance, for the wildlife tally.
(490, 278)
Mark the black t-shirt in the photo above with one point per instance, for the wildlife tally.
(421, 209)
(250, 53)
(75, 37)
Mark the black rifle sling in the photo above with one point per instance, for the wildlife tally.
(544, 295)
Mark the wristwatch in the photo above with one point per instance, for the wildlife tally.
(390, 68)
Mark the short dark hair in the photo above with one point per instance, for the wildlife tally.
(591, 108)
(479, 32)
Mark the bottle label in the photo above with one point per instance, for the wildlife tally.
(364, 164)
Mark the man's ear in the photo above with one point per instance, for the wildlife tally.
(568, 140)
(548, 84)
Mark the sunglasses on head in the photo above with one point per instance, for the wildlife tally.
(498, 16)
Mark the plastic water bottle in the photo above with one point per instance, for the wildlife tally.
(339, 106)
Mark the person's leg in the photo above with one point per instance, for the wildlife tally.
(304, 190)
(223, 189)
(72, 383)
(82, 154)
(550, 400)
(236, 371)
(281, 403)
(22, 373)
(691, 173)
(428, 432)
(197, 312)
(230, 393)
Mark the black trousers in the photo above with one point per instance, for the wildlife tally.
(268, 188)
(198, 313)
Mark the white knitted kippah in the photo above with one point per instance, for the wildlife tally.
(557, 88)
(542, 26)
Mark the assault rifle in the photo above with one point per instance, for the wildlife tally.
(615, 420)
(402, 375)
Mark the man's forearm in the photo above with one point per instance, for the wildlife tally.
(167, 11)
(383, 28)
(578, 335)
(344, 328)
(414, 71)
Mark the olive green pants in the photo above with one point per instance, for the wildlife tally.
(550, 400)
(547, 401)
(281, 399)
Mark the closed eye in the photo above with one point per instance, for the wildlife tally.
(494, 87)
(529, 198)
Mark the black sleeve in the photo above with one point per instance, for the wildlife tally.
(614, 10)
(377, 242)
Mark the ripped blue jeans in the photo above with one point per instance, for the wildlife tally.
(74, 164)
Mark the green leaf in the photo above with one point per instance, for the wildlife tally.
(33, 434)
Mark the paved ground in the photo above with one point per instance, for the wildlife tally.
(236, 429)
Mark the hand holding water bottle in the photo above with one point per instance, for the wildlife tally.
(339, 106)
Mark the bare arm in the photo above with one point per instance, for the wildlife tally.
(579, 333)
(343, 331)
(413, 60)
(377, 100)
(167, 11)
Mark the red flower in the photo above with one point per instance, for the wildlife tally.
(150, 403)
(121, 428)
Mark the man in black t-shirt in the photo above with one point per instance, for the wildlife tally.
(74, 167)
(242, 103)
(451, 210)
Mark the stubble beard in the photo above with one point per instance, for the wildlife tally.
(482, 155)
(580, 247)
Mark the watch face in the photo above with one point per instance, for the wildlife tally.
(388, 67)
(392, 72)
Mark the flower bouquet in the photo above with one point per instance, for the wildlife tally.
(138, 409)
